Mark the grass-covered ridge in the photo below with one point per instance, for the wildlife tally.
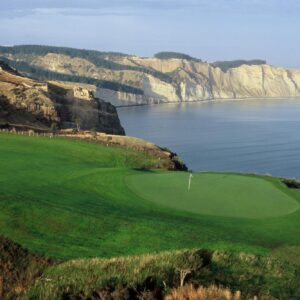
(43, 50)
(155, 274)
(70, 199)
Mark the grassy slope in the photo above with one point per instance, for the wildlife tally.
(69, 199)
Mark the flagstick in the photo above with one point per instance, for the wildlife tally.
(190, 180)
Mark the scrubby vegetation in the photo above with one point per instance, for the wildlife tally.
(184, 274)
(154, 276)
(91, 55)
(18, 268)
(226, 65)
(169, 55)
(203, 293)
(291, 183)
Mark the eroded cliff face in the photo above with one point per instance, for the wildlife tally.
(28, 103)
(194, 81)
(188, 80)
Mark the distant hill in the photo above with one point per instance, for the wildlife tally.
(100, 59)
(92, 55)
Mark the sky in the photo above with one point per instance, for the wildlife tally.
(207, 29)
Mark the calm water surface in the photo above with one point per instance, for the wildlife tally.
(260, 136)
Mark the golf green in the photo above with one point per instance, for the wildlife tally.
(215, 194)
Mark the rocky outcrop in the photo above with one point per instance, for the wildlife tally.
(26, 102)
(172, 80)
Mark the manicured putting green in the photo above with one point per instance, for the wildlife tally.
(214, 194)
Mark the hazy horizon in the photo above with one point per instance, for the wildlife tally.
(209, 30)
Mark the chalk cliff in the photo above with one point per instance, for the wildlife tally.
(201, 81)
(167, 80)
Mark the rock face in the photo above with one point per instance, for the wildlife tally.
(172, 80)
(29, 103)
(194, 80)
(199, 81)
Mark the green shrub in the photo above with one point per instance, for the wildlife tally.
(226, 65)
(170, 55)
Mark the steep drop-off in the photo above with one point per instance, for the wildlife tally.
(39, 105)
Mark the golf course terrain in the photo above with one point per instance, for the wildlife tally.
(70, 199)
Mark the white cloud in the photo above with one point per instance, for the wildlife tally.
(136, 6)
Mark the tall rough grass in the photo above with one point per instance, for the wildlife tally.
(84, 275)
(251, 274)
(189, 292)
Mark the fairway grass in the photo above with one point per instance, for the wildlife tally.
(217, 194)
(70, 199)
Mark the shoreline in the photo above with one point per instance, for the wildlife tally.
(209, 101)
(265, 175)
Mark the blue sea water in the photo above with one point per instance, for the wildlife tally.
(261, 136)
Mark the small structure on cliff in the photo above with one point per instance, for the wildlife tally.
(83, 93)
